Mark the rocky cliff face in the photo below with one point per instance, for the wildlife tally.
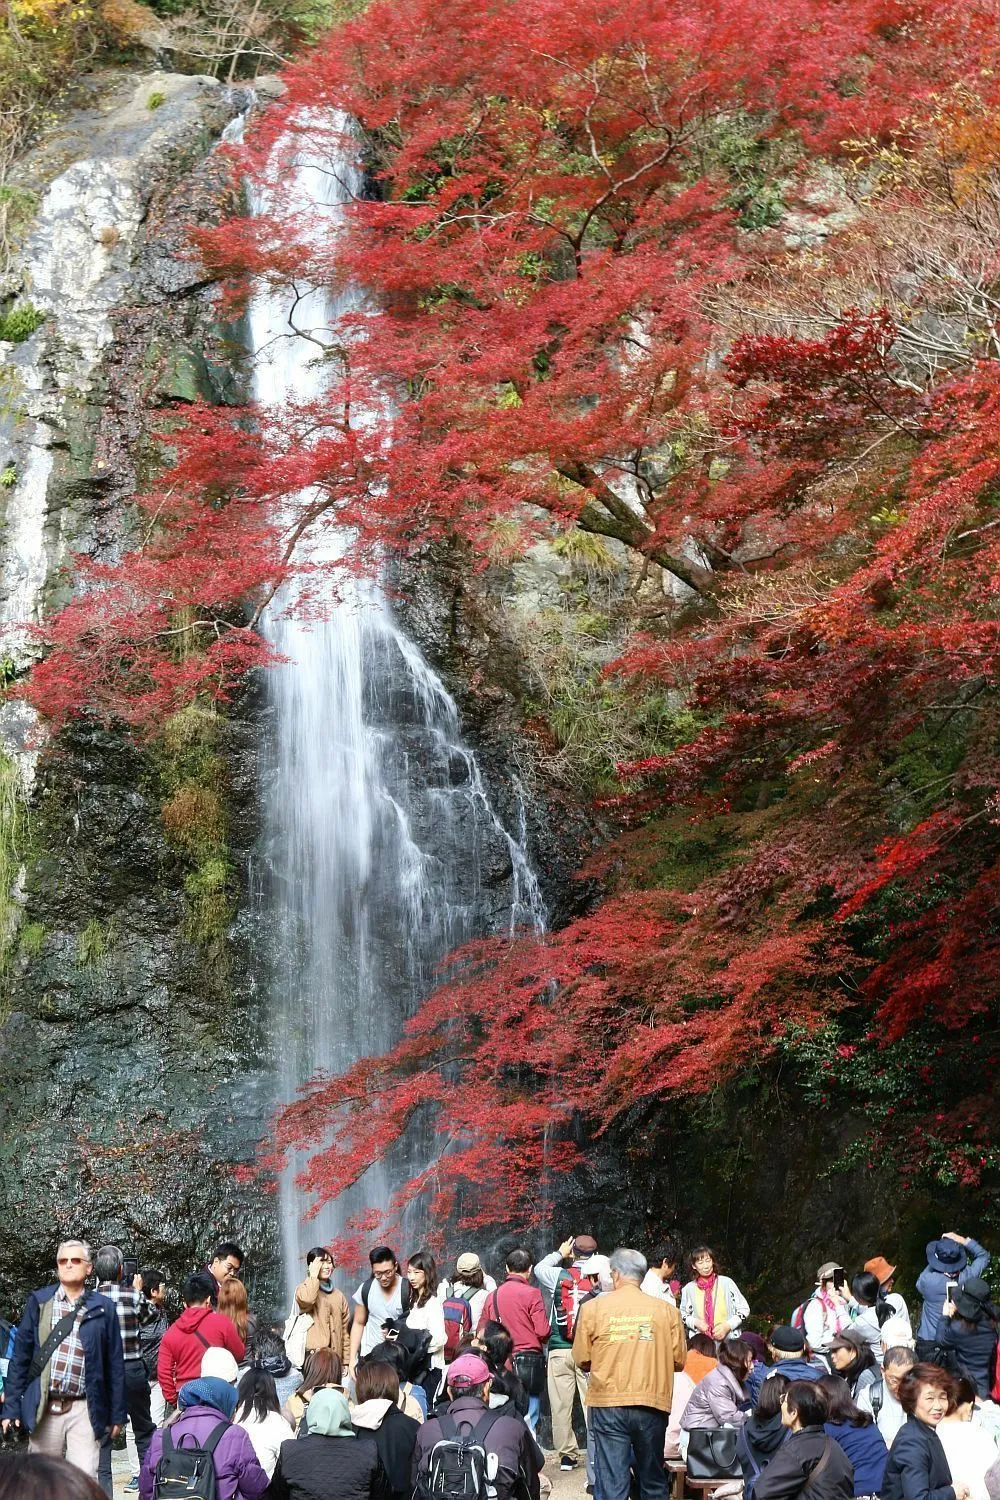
(131, 1071)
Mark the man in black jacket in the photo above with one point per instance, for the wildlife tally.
(808, 1461)
(519, 1458)
(66, 1382)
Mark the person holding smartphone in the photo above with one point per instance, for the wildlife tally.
(826, 1314)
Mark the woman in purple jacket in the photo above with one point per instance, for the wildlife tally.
(202, 1405)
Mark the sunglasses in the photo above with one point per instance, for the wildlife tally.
(71, 1260)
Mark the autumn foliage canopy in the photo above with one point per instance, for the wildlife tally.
(727, 294)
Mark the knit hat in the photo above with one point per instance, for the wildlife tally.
(467, 1371)
(219, 1364)
(880, 1267)
(826, 1270)
(467, 1262)
(584, 1244)
(787, 1339)
(208, 1391)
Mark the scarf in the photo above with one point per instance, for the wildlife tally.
(209, 1391)
(326, 1286)
(715, 1302)
(835, 1314)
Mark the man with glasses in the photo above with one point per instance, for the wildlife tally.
(225, 1262)
(386, 1294)
(131, 1304)
(66, 1383)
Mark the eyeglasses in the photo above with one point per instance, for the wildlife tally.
(71, 1260)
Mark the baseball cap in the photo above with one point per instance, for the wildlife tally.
(788, 1339)
(826, 1270)
(596, 1265)
(468, 1370)
(468, 1262)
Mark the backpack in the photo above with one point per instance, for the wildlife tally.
(876, 1397)
(567, 1299)
(457, 1467)
(457, 1323)
(188, 1473)
(8, 1332)
(405, 1293)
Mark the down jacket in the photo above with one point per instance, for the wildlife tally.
(718, 1400)
(237, 1468)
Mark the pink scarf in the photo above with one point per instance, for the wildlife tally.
(707, 1284)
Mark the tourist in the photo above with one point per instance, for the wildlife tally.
(826, 1314)
(807, 1462)
(886, 1277)
(788, 1350)
(426, 1315)
(322, 1371)
(472, 1284)
(969, 1326)
(497, 1348)
(384, 1296)
(78, 1398)
(37, 1476)
(330, 1461)
(881, 1397)
(917, 1467)
(259, 1414)
(872, 1310)
(762, 1434)
(519, 1458)
(969, 1448)
(954, 1257)
(205, 1406)
(664, 1259)
(129, 1302)
(325, 1304)
(560, 1276)
(631, 1344)
(225, 1262)
(519, 1307)
(897, 1333)
(712, 1304)
(233, 1303)
(198, 1327)
(152, 1326)
(857, 1434)
(700, 1358)
(412, 1398)
(759, 1370)
(376, 1413)
(720, 1398)
(853, 1360)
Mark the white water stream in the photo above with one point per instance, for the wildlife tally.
(382, 849)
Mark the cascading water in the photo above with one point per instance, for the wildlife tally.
(381, 847)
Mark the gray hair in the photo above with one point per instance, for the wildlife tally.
(630, 1264)
(899, 1356)
(109, 1262)
(88, 1254)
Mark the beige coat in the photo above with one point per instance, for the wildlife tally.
(331, 1327)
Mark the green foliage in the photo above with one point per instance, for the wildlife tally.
(8, 477)
(13, 837)
(21, 323)
(94, 942)
(156, 99)
(585, 551)
(734, 146)
(192, 776)
(31, 938)
(918, 778)
(209, 901)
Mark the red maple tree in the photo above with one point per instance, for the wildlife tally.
(570, 317)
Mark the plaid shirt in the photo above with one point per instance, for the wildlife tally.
(68, 1370)
(127, 1302)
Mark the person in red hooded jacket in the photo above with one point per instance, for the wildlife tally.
(198, 1328)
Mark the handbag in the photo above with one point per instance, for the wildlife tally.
(529, 1367)
(711, 1453)
(297, 1326)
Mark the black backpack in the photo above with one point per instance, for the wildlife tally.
(188, 1473)
(456, 1467)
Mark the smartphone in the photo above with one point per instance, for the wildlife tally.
(951, 1290)
(130, 1269)
(839, 1278)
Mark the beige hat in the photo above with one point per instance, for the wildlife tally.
(467, 1262)
(826, 1270)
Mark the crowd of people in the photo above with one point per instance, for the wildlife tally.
(419, 1386)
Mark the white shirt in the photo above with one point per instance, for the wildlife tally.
(970, 1451)
(267, 1437)
(654, 1287)
(431, 1317)
(891, 1415)
(380, 1310)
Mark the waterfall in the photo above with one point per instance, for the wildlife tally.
(381, 847)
